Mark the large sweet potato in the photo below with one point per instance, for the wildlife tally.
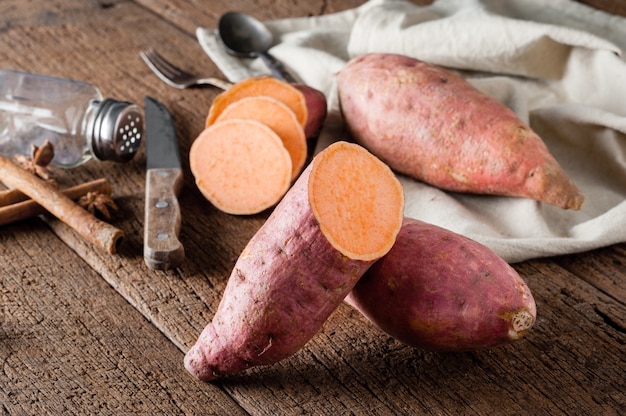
(342, 214)
(440, 291)
(433, 125)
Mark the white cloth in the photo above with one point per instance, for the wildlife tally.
(557, 63)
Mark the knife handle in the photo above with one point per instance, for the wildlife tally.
(162, 250)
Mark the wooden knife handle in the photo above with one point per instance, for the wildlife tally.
(162, 249)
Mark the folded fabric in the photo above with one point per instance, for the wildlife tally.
(558, 64)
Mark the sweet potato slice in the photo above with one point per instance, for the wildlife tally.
(265, 86)
(278, 117)
(342, 214)
(440, 291)
(433, 125)
(240, 166)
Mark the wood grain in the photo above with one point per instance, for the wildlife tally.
(82, 331)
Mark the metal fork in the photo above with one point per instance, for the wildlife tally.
(176, 77)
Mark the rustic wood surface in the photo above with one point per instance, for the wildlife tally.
(86, 332)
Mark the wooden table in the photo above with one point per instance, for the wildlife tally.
(85, 332)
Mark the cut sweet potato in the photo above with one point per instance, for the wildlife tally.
(440, 291)
(240, 166)
(342, 214)
(317, 109)
(278, 117)
(265, 86)
(433, 125)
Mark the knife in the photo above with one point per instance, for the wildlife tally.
(162, 249)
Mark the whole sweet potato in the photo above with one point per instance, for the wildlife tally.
(440, 291)
(342, 214)
(434, 126)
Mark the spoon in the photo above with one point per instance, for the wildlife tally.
(244, 36)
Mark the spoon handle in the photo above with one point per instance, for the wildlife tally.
(276, 67)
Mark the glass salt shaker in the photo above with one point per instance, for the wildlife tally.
(72, 115)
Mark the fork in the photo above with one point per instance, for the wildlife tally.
(176, 77)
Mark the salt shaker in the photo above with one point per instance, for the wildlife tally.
(70, 114)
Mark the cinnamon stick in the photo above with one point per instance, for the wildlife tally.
(25, 208)
(11, 196)
(98, 232)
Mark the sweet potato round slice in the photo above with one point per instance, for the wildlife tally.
(266, 86)
(277, 116)
(365, 199)
(240, 166)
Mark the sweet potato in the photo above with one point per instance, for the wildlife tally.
(240, 166)
(279, 118)
(308, 104)
(440, 291)
(317, 109)
(341, 215)
(434, 126)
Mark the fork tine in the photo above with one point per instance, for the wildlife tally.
(174, 76)
(157, 62)
(161, 67)
(166, 66)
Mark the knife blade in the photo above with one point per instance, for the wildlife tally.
(162, 249)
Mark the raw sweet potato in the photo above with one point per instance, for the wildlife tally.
(279, 118)
(308, 104)
(341, 215)
(240, 166)
(433, 125)
(317, 109)
(438, 290)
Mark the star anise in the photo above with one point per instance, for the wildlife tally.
(38, 161)
(98, 203)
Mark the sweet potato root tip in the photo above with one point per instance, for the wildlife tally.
(277, 116)
(441, 291)
(366, 199)
(520, 322)
(240, 166)
(433, 125)
(290, 277)
(265, 86)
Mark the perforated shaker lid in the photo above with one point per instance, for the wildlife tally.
(116, 131)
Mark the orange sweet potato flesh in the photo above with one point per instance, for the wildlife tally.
(240, 166)
(308, 104)
(440, 291)
(434, 126)
(277, 116)
(298, 267)
(265, 86)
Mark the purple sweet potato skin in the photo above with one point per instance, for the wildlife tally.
(440, 291)
(285, 284)
(317, 108)
(432, 125)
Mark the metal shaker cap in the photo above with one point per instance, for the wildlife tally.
(115, 131)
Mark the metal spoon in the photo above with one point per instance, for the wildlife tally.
(244, 36)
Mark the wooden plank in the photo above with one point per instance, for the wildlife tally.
(188, 16)
(571, 363)
(603, 268)
(611, 6)
(70, 344)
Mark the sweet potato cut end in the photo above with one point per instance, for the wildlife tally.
(240, 166)
(357, 200)
(265, 86)
(277, 116)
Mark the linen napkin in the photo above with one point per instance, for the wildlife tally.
(558, 64)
